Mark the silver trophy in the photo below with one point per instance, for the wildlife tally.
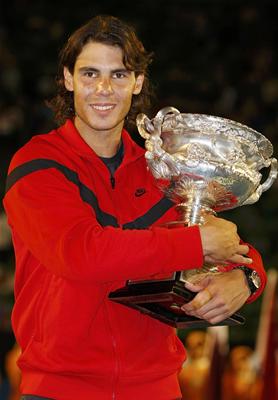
(208, 164)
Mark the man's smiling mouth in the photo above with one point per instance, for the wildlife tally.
(103, 107)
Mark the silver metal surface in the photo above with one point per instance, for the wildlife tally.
(211, 163)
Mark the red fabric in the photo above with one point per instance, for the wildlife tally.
(257, 265)
(75, 342)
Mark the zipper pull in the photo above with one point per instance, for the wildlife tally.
(112, 180)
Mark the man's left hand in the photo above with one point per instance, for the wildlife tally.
(219, 295)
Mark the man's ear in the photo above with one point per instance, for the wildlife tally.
(138, 84)
(68, 79)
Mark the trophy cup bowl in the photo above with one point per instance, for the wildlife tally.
(209, 164)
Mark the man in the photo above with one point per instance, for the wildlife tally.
(86, 216)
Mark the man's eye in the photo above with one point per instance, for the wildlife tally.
(119, 75)
(90, 74)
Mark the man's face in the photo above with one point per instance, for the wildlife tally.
(102, 88)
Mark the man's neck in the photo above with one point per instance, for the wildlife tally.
(104, 143)
(106, 147)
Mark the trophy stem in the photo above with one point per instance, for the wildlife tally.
(193, 212)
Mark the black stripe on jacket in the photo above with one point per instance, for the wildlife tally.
(87, 195)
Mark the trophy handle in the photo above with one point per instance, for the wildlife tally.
(160, 116)
(266, 185)
(146, 127)
(162, 163)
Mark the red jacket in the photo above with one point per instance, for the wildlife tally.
(77, 237)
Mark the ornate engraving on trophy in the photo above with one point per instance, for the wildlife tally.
(212, 164)
(204, 164)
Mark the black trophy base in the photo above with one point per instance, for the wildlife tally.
(162, 300)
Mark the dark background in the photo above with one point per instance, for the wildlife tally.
(213, 57)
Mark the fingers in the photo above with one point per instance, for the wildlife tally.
(201, 299)
(239, 255)
(207, 307)
(193, 284)
(235, 259)
(220, 240)
(243, 249)
(210, 312)
(239, 259)
(206, 297)
(215, 316)
(222, 295)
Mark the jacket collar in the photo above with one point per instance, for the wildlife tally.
(71, 135)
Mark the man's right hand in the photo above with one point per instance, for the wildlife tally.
(221, 243)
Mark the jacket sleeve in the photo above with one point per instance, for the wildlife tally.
(62, 233)
(257, 265)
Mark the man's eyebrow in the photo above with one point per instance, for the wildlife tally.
(113, 71)
(88, 69)
(125, 70)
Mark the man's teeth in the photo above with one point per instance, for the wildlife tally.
(102, 108)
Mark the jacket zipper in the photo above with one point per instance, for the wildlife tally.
(116, 367)
(114, 345)
(112, 181)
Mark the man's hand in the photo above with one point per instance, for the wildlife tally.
(221, 243)
(219, 295)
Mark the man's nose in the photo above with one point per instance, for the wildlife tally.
(104, 86)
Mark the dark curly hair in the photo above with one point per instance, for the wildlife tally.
(112, 31)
